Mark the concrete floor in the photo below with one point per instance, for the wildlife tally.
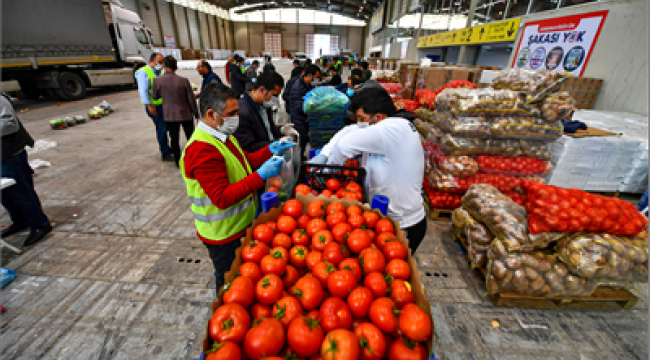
(123, 276)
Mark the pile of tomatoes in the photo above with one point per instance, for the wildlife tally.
(425, 97)
(503, 183)
(329, 283)
(445, 200)
(520, 165)
(339, 183)
(351, 190)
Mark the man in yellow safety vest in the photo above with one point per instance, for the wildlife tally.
(222, 179)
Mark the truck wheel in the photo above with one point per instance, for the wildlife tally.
(71, 86)
(29, 88)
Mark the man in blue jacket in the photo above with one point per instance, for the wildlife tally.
(299, 89)
(209, 77)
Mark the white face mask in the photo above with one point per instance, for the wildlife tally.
(158, 67)
(230, 125)
(363, 125)
(269, 104)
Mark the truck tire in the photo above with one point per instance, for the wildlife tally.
(71, 86)
(29, 88)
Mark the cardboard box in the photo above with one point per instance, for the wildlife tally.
(584, 90)
(435, 78)
(412, 74)
(416, 285)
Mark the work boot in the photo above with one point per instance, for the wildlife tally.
(36, 236)
(168, 157)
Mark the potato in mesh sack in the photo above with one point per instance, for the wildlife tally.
(485, 102)
(458, 146)
(460, 217)
(534, 273)
(537, 83)
(506, 219)
(479, 238)
(558, 106)
(605, 256)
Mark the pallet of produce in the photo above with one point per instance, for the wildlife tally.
(272, 305)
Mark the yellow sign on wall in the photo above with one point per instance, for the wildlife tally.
(493, 32)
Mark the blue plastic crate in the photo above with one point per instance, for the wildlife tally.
(327, 121)
(318, 138)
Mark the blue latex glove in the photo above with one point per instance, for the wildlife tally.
(270, 168)
(278, 147)
(318, 159)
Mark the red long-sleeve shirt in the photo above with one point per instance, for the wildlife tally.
(207, 165)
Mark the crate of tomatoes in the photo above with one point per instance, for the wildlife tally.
(321, 278)
(342, 182)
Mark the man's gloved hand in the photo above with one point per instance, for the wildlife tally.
(277, 147)
(270, 168)
(318, 159)
(288, 130)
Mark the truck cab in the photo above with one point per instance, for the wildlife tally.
(131, 39)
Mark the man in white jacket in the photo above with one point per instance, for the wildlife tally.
(391, 154)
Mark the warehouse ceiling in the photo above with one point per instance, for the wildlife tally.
(350, 8)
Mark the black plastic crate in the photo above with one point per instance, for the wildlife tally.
(316, 176)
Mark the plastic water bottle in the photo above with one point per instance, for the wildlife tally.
(380, 202)
(269, 200)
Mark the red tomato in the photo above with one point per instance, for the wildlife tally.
(395, 250)
(302, 189)
(384, 226)
(341, 232)
(400, 351)
(335, 314)
(353, 265)
(309, 291)
(383, 314)
(313, 315)
(358, 240)
(230, 322)
(300, 237)
(335, 252)
(305, 336)
(298, 255)
(292, 208)
(336, 218)
(226, 350)
(333, 184)
(251, 270)
(240, 291)
(400, 293)
(263, 233)
(274, 263)
(289, 277)
(260, 311)
(285, 252)
(356, 221)
(398, 269)
(372, 260)
(255, 251)
(322, 272)
(287, 309)
(327, 193)
(315, 225)
(414, 323)
(371, 341)
(313, 258)
(269, 289)
(321, 239)
(359, 301)
(335, 207)
(353, 209)
(376, 283)
(282, 240)
(340, 344)
(352, 186)
(372, 234)
(273, 225)
(265, 339)
(316, 209)
(340, 283)
(303, 221)
(370, 218)
(286, 224)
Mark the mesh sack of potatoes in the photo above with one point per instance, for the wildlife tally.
(458, 166)
(459, 146)
(505, 218)
(485, 102)
(534, 273)
(422, 127)
(498, 127)
(605, 256)
(460, 217)
(557, 106)
(479, 238)
(537, 83)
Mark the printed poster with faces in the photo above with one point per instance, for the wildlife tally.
(559, 44)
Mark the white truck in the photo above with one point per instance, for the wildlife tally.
(62, 47)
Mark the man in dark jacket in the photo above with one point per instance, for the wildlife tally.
(256, 128)
(268, 66)
(299, 89)
(209, 77)
(297, 69)
(335, 79)
(20, 200)
(286, 95)
(238, 79)
(366, 73)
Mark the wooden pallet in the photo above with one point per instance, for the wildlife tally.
(604, 297)
(436, 214)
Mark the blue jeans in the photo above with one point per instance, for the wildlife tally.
(161, 130)
(20, 199)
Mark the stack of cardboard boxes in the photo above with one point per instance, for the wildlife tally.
(438, 74)
(584, 90)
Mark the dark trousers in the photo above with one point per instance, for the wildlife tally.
(302, 127)
(415, 234)
(161, 130)
(174, 130)
(20, 200)
(222, 258)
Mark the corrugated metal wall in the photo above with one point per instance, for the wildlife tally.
(205, 30)
(212, 28)
(194, 29)
(183, 37)
(256, 38)
(166, 19)
(150, 19)
(289, 37)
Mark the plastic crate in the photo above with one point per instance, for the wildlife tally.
(327, 121)
(318, 138)
(316, 176)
